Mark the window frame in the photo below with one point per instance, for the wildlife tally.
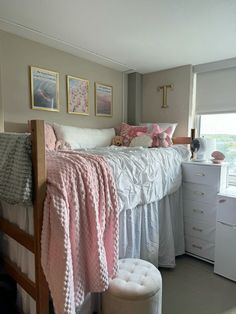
(231, 177)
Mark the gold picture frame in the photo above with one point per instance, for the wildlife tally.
(77, 95)
(103, 95)
(44, 89)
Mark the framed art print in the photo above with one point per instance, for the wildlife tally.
(44, 89)
(103, 100)
(77, 95)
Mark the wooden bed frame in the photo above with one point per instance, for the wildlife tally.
(39, 290)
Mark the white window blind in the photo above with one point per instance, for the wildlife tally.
(216, 91)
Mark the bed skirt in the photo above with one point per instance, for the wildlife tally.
(153, 232)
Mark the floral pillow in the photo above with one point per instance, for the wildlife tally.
(160, 138)
(130, 131)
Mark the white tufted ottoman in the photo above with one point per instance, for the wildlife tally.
(137, 289)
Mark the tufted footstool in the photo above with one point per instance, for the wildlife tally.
(137, 289)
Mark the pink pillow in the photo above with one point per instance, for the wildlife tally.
(50, 137)
(160, 138)
(130, 131)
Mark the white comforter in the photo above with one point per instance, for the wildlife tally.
(144, 175)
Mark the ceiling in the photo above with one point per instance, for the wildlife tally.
(137, 35)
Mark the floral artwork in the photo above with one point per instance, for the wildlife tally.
(103, 100)
(44, 89)
(77, 93)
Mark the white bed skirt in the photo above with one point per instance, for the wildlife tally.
(153, 232)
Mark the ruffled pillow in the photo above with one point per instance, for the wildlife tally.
(130, 131)
(141, 141)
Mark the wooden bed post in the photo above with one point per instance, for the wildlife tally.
(39, 175)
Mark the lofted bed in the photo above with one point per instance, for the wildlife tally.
(36, 286)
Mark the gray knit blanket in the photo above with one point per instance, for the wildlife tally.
(15, 168)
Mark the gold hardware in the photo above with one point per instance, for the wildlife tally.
(197, 229)
(198, 211)
(200, 174)
(164, 93)
(199, 193)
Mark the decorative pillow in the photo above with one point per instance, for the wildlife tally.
(163, 126)
(83, 137)
(130, 131)
(50, 137)
(142, 140)
(163, 139)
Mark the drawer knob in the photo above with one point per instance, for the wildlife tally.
(197, 246)
(197, 229)
(200, 174)
(200, 211)
(199, 193)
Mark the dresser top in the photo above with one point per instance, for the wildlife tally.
(204, 163)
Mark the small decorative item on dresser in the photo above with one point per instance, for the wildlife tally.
(198, 149)
(218, 157)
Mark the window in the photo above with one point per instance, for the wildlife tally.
(222, 128)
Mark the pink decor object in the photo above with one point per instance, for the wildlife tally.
(218, 157)
(130, 131)
(159, 137)
(80, 228)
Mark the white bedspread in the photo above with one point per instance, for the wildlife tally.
(144, 175)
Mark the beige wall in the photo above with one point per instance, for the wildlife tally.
(179, 99)
(16, 57)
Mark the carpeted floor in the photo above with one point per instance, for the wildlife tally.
(193, 288)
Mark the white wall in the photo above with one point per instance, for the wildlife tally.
(16, 57)
(179, 100)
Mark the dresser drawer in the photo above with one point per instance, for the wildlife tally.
(209, 175)
(199, 230)
(200, 211)
(200, 192)
(199, 247)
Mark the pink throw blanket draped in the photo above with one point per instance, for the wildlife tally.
(80, 228)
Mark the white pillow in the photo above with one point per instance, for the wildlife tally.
(163, 126)
(143, 141)
(84, 137)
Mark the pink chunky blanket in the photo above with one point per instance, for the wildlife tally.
(80, 228)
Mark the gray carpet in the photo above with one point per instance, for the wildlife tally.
(193, 288)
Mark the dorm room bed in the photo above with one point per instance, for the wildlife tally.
(135, 241)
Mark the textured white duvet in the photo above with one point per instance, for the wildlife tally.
(144, 175)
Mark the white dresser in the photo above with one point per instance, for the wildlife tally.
(202, 181)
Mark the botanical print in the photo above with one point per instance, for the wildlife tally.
(77, 93)
(44, 89)
(103, 100)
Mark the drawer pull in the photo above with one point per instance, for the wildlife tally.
(197, 229)
(199, 193)
(200, 174)
(228, 225)
(198, 211)
(197, 246)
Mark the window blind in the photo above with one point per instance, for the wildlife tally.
(216, 91)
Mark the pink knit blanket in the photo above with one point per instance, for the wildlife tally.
(80, 228)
